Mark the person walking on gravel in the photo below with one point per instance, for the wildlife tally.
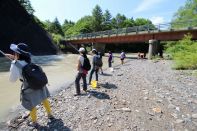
(122, 57)
(110, 59)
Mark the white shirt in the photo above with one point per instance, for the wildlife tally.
(122, 55)
(15, 72)
(81, 59)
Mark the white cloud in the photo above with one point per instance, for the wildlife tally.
(146, 4)
(157, 20)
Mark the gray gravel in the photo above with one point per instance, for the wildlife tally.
(140, 95)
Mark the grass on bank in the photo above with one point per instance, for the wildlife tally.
(183, 52)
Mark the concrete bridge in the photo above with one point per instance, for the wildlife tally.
(151, 34)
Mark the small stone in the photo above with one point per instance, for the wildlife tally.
(124, 109)
(194, 116)
(124, 102)
(76, 98)
(171, 106)
(174, 115)
(145, 93)
(159, 101)
(145, 98)
(110, 124)
(95, 121)
(178, 109)
(178, 121)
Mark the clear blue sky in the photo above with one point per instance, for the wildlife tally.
(158, 11)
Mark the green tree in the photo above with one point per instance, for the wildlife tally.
(106, 25)
(67, 24)
(185, 13)
(129, 23)
(142, 21)
(84, 25)
(97, 18)
(27, 5)
(118, 21)
(184, 52)
(55, 27)
(40, 23)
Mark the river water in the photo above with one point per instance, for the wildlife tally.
(60, 69)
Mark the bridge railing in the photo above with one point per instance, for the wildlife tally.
(184, 25)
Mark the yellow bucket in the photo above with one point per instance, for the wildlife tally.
(94, 84)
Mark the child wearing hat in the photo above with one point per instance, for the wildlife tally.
(30, 98)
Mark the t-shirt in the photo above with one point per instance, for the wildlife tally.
(81, 59)
(122, 55)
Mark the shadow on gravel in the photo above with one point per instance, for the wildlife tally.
(116, 68)
(105, 74)
(55, 124)
(108, 86)
(99, 95)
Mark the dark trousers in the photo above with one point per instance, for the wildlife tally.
(109, 63)
(91, 73)
(77, 82)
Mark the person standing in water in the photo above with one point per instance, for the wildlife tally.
(30, 98)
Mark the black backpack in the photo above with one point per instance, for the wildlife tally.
(86, 64)
(34, 76)
(98, 61)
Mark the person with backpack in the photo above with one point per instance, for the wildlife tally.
(122, 57)
(83, 66)
(96, 63)
(31, 96)
(100, 67)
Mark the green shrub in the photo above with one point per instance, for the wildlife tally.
(56, 39)
(184, 52)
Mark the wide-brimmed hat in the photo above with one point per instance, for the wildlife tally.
(21, 48)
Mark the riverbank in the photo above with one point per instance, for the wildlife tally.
(139, 95)
(60, 70)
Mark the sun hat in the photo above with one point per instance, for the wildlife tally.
(21, 48)
(81, 49)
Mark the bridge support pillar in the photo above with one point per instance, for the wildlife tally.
(99, 47)
(153, 48)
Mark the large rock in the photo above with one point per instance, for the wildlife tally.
(18, 26)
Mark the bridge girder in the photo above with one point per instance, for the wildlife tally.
(142, 37)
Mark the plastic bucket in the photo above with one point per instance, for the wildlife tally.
(94, 84)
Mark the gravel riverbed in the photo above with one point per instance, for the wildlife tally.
(141, 95)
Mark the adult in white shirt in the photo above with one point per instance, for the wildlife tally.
(81, 72)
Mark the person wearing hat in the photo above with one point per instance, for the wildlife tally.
(30, 98)
(81, 72)
(95, 68)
